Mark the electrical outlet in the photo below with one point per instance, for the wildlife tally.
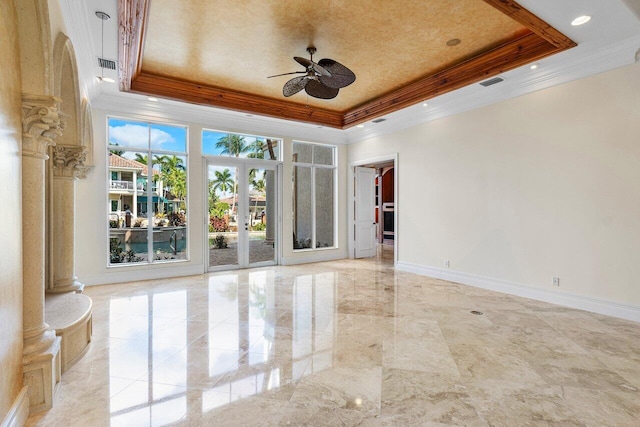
(446, 263)
(556, 281)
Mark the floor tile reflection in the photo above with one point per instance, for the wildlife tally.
(351, 342)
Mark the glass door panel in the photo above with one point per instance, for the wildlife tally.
(242, 214)
(261, 211)
(223, 215)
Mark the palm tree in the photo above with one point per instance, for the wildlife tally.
(168, 163)
(142, 158)
(256, 149)
(176, 179)
(172, 171)
(260, 186)
(223, 181)
(116, 152)
(233, 145)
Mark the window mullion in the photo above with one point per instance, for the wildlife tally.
(313, 207)
(149, 199)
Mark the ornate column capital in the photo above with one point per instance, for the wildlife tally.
(40, 124)
(68, 161)
(83, 171)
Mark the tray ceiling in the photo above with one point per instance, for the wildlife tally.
(220, 53)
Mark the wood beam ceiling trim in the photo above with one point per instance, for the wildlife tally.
(543, 41)
(133, 16)
(531, 21)
(519, 52)
(194, 93)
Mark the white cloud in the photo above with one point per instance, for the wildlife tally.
(136, 136)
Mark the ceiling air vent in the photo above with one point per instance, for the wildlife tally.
(491, 81)
(378, 120)
(107, 63)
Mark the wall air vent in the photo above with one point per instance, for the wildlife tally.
(378, 120)
(491, 81)
(107, 63)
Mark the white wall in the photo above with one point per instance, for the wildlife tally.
(11, 195)
(544, 185)
(91, 208)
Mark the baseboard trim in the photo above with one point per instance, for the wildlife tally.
(311, 257)
(581, 302)
(19, 411)
(131, 273)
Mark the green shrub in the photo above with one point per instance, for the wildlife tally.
(177, 219)
(220, 242)
(218, 224)
(219, 209)
(118, 255)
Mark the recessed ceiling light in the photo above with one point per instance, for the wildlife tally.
(360, 126)
(453, 42)
(581, 20)
(534, 66)
(425, 104)
(152, 98)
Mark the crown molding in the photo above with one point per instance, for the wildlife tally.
(574, 64)
(217, 118)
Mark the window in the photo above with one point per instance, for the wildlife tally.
(147, 192)
(215, 143)
(314, 174)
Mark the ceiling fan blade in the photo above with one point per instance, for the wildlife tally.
(294, 86)
(318, 90)
(306, 63)
(340, 77)
(286, 74)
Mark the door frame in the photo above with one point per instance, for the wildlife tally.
(352, 201)
(243, 164)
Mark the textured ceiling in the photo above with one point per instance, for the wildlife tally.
(388, 44)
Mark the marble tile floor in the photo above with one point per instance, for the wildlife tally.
(352, 342)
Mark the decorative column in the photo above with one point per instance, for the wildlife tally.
(68, 166)
(41, 365)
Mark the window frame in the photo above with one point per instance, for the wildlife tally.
(279, 150)
(314, 166)
(149, 151)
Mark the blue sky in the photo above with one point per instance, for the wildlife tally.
(209, 140)
(211, 137)
(135, 135)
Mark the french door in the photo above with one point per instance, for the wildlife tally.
(242, 214)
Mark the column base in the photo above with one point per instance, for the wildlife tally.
(70, 316)
(41, 373)
(62, 287)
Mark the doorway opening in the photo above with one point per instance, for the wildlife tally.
(375, 208)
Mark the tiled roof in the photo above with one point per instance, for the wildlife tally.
(116, 161)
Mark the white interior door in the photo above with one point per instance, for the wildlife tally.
(365, 224)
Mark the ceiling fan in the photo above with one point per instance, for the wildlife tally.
(321, 80)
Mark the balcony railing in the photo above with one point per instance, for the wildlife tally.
(125, 185)
(129, 185)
